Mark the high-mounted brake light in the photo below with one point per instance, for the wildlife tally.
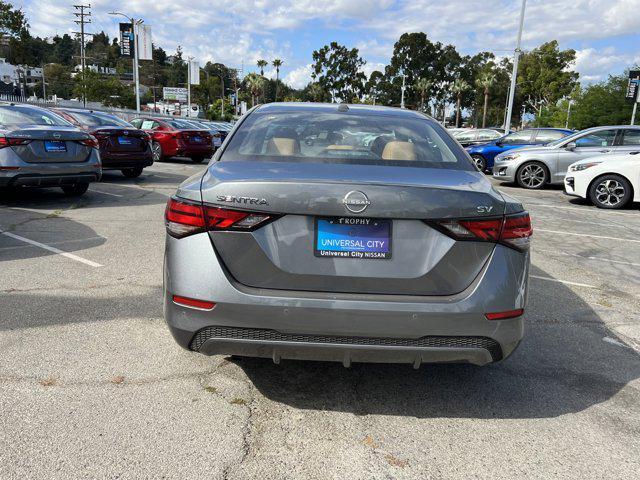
(13, 142)
(514, 231)
(186, 218)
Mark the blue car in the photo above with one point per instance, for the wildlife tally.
(484, 154)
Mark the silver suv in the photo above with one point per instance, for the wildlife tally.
(535, 167)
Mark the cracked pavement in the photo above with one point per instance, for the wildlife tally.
(93, 386)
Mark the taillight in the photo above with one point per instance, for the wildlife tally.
(186, 218)
(504, 315)
(515, 231)
(89, 142)
(193, 302)
(13, 142)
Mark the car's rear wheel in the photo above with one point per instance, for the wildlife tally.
(132, 172)
(481, 163)
(197, 159)
(532, 175)
(610, 191)
(75, 190)
(156, 149)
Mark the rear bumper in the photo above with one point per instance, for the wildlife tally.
(112, 161)
(29, 180)
(342, 327)
(183, 150)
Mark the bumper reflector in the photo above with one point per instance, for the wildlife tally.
(504, 315)
(193, 303)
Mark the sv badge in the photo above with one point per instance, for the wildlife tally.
(484, 209)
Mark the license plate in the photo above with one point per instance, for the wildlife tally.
(54, 146)
(348, 237)
(125, 141)
(197, 139)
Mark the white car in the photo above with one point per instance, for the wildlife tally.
(609, 181)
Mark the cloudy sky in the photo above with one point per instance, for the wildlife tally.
(605, 33)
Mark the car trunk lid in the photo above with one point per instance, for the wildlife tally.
(284, 254)
(50, 144)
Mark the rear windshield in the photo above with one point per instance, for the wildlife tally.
(19, 115)
(345, 138)
(99, 119)
(182, 124)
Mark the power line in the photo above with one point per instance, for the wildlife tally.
(83, 18)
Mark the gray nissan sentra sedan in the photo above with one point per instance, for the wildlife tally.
(345, 233)
(40, 149)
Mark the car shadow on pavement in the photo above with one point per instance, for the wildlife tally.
(147, 178)
(562, 366)
(51, 229)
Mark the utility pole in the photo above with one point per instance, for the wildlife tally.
(402, 90)
(80, 14)
(633, 113)
(566, 124)
(189, 86)
(514, 73)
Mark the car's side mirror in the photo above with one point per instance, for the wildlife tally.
(499, 143)
(571, 146)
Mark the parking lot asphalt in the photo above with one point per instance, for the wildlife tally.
(93, 386)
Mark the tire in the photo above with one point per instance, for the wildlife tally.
(75, 190)
(610, 191)
(132, 172)
(156, 150)
(532, 176)
(197, 159)
(480, 162)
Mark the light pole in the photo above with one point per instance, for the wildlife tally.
(189, 86)
(566, 124)
(402, 90)
(134, 33)
(514, 73)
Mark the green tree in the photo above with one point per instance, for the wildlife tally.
(458, 87)
(485, 82)
(261, 64)
(12, 20)
(277, 63)
(423, 85)
(255, 85)
(337, 70)
(545, 76)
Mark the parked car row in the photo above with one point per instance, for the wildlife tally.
(601, 164)
(70, 147)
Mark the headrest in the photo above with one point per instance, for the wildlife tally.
(281, 146)
(395, 150)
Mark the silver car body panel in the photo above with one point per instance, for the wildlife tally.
(556, 158)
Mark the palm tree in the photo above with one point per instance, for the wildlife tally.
(255, 85)
(261, 64)
(277, 63)
(485, 82)
(459, 86)
(423, 85)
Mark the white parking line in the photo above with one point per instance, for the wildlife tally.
(576, 284)
(588, 235)
(104, 193)
(52, 249)
(586, 257)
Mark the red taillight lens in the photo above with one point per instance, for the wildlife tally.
(193, 302)
(89, 142)
(13, 142)
(517, 231)
(512, 230)
(504, 315)
(186, 218)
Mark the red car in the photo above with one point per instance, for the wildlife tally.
(176, 138)
(122, 146)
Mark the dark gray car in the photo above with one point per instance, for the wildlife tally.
(40, 149)
(306, 239)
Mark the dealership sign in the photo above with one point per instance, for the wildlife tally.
(126, 40)
(174, 94)
(634, 86)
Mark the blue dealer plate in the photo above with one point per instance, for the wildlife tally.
(125, 141)
(349, 237)
(54, 146)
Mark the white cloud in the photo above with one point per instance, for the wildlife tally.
(299, 77)
(594, 65)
